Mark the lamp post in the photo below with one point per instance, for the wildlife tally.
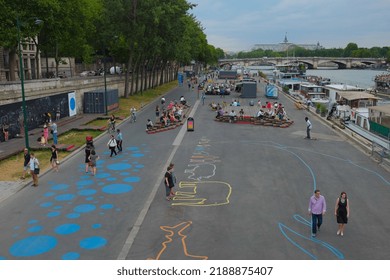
(21, 74)
(105, 83)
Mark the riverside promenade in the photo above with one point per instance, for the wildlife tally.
(242, 193)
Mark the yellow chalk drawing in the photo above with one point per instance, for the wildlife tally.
(173, 241)
(202, 194)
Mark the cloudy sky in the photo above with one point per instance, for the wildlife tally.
(237, 25)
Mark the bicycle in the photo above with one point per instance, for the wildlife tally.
(111, 127)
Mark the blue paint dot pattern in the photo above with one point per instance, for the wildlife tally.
(137, 155)
(119, 166)
(84, 183)
(64, 197)
(71, 256)
(93, 242)
(132, 179)
(96, 226)
(46, 204)
(73, 215)
(67, 229)
(87, 192)
(35, 229)
(107, 206)
(117, 188)
(84, 208)
(53, 214)
(33, 246)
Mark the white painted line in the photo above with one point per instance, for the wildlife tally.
(141, 217)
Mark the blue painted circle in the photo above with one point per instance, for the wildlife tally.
(35, 229)
(107, 206)
(132, 148)
(137, 155)
(32, 222)
(102, 175)
(119, 166)
(33, 245)
(87, 192)
(53, 214)
(72, 103)
(117, 188)
(57, 207)
(84, 183)
(67, 229)
(64, 197)
(139, 166)
(132, 179)
(124, 173)
(96, 226)
(111, 179)
(46, 204)
(71, 256)
(84, 208)
(93, 242)
(73, 215)
(49, 194)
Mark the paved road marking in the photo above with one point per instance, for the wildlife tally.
(141, 217)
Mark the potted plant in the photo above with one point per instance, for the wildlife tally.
(318, 108)
(323, 110)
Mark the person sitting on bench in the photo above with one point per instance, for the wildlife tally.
(149, 124)
(233, 116)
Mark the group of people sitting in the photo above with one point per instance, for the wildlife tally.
(273, 110)
(172, 113)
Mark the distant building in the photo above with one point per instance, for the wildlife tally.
(285, 45)
(30, 62)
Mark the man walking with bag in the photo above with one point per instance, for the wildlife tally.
(112, 145)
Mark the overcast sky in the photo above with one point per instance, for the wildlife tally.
(237, 25)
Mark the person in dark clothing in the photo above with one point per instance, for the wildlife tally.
(26, 167)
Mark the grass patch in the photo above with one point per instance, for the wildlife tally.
(77, 137)
(12, 168)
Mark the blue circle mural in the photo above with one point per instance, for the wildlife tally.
(93, 242)
(33, 245)
(117, 188)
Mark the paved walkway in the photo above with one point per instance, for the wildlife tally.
(16, 145)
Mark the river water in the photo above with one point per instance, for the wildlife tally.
(363, 78)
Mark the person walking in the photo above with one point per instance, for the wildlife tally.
(341, 211)
(119, 140)
(34, 169)
(203, 97)
(54, 158)
(26, 166)
(112, 145)
(308, 128)
(169, 183)
(88, 149)
(93, 158)
(157, 110)
(317, 208)
(46, 133)
(55, 133)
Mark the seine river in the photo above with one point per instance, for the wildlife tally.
(355, 77)
(363, 78)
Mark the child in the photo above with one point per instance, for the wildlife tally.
(93, 158)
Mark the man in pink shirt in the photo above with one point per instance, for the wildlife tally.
(317, 208)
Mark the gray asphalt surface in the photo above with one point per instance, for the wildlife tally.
(243, 193)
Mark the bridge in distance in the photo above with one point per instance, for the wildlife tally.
(312, 62)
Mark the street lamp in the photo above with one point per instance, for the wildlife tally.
(21, 74)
